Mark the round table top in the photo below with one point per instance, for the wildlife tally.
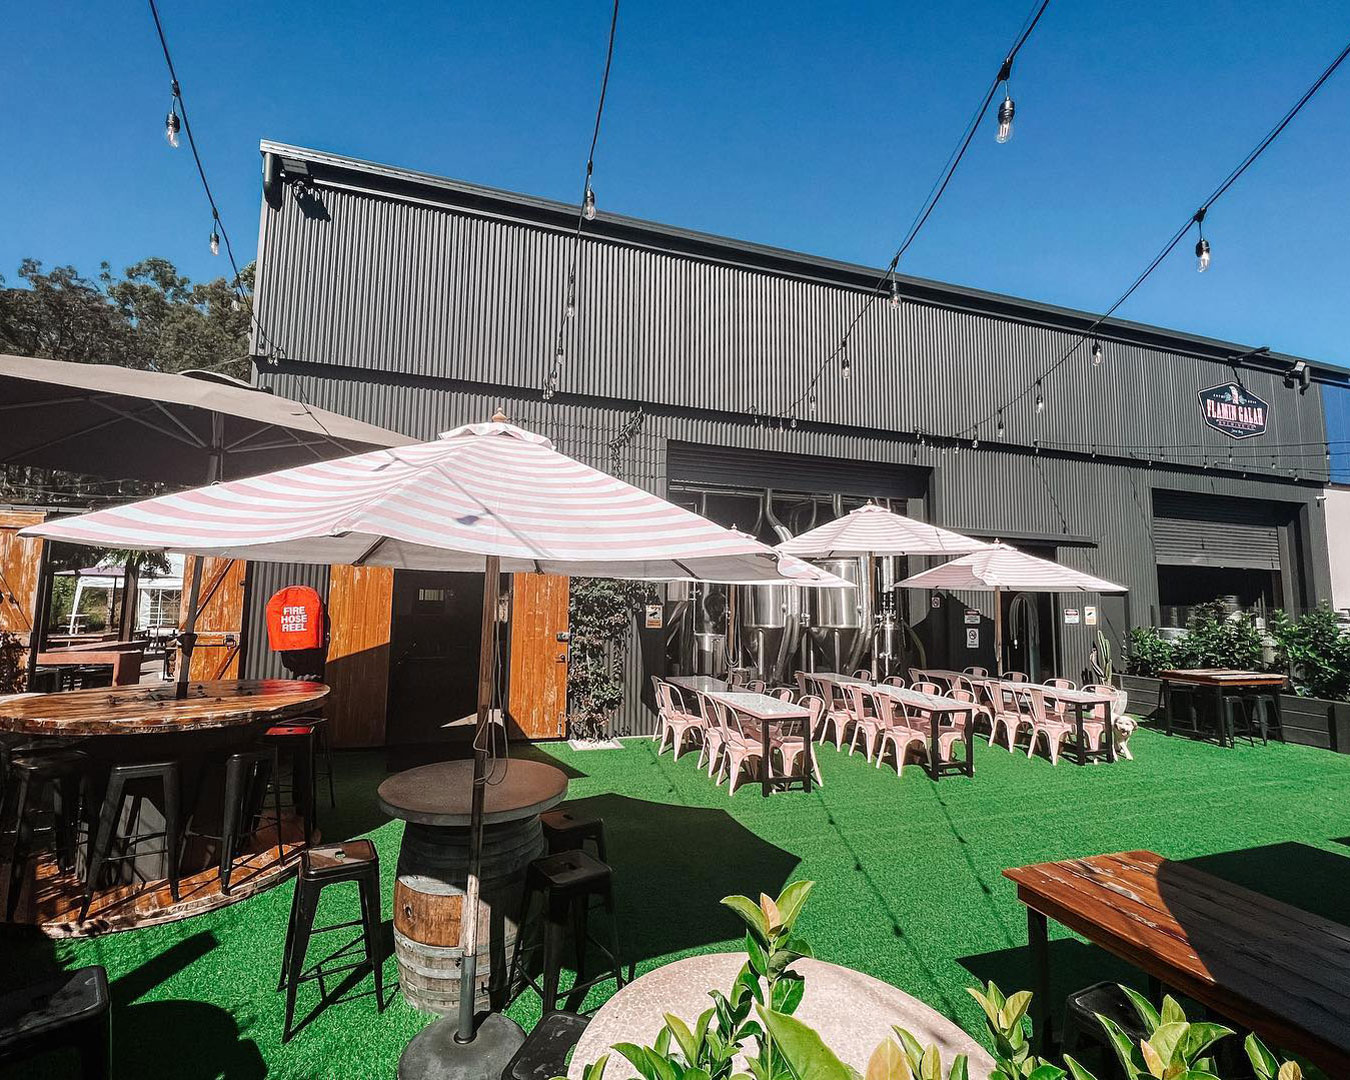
(442, 794)
(154, 708)
(852, 1012)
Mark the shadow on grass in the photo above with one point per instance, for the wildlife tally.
(183, 1040)
(672, 866)
(1302, 876)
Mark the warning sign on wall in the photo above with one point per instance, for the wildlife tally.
(972, 637)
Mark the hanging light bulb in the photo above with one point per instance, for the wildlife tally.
(588, 203)
(1040, 399)
(845, 367)
(975, 443)
(999, 429)
(794, 423)
(235, 303)
(172, 126)
(1201, 255)
(1005, 116)
(215, 242)
(895, 294)
(1097, 354)
(558, 352)
(811, 404)
(572, 294)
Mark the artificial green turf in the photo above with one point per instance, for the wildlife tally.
(908, 872)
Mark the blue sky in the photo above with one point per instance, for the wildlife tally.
(804, 125)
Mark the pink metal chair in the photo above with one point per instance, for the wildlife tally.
(1061, 684)
(866, 723)
(863, 673)
(895, 680)
(917, 675)
(756, 686)
(982, 712)
(926, 687)
(896, 732)
(977, 671)
(1014, 676)
(710, 754)
(838, 714)
(679, 722)
(784, 693)
(788, 740)
(1012, 713)
(1124, 725)
(1054, 728)
(741, 745)
(953, 726)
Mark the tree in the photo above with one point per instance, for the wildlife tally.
(152, 317)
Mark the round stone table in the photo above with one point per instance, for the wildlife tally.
(433, 861)
(853, 1013)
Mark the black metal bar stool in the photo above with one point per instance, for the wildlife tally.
(331, 864)
(566, 829)
(102, 840)
(31, 775)
(565, 884)
(70, 1011)
(1082, 1028)
(543, 1055)
(305, 740)
(248, 776)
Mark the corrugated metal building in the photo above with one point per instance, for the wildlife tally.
(420, 303)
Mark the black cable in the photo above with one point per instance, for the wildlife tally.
(925, 211)
(217, 223)
(1194, 219)
(569, 310)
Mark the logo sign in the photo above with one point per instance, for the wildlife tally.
(1234, 410)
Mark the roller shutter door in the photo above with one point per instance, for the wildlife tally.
(733, 467)
(1194, 530)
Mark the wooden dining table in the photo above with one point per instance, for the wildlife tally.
(937, 707)
(772, 712)
(1262, 964)
(1221, 683)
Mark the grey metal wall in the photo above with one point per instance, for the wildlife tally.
(260, 662)
(1101, 510)
(357, 274)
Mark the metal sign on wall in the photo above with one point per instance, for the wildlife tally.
(1234, 410)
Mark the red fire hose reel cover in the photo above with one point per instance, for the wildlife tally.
(295, 619)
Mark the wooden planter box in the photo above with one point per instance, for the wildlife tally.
(1307, 721)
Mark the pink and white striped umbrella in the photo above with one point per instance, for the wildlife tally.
(481, 490)
(999, 567)
(874, 530)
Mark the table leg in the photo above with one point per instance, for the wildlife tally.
(1082, 733)
(766, 763)
(934, 762)
(1038, 940)
(1223, 719)
(1277, 710)
(806, 754)
(970, 743)
(1110, 734)
(1167, 706)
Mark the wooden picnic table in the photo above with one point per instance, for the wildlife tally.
(1267, 966)
(1222, 682)
(936, 707)
(771, 711)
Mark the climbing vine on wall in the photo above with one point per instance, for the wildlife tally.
(601, 613)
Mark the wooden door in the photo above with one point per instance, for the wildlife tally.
(536, 696)
(220, 617)
(360, 608)
(20, 571)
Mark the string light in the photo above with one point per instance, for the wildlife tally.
(215, 242)
(172, 125)
(845, 367)
(1201, 245)
(588, 203)
(811, 404)
(571, 309)
(895, 293)
(1097, 354)
(1000, 428)
(1005, 117)
(1040, 398)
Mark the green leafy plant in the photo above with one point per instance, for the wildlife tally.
(1104, 659)
(1216, 638)
(601, 613)
(1149, 652)
(1317, 652)
(13, 670)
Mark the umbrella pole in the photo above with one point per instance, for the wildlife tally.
(188, 638)
(998, 630)
(487, 675)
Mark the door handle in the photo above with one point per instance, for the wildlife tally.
(562, 658)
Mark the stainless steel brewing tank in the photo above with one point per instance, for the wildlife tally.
(838, 609)
(768, 607)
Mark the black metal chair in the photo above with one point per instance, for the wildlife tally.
(566, 829)
(1083, 1029)
(70, 1011)
(103, 839)
(332, 864)
(31, 775)
(249, 774)
(543, 1055)
(565, 885)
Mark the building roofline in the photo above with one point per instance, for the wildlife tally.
(396, 181)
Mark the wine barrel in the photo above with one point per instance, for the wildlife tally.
(428, 908)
